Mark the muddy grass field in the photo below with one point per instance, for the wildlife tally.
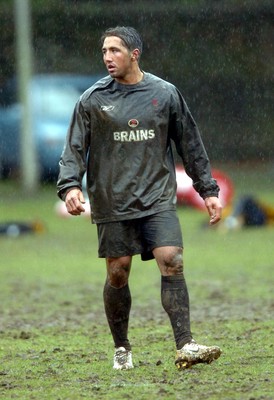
(54, 340)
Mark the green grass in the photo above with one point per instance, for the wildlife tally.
(54, 339)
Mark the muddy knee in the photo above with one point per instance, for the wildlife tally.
(118, 270)
(170, 260)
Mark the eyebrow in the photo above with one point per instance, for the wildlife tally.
(110, 48)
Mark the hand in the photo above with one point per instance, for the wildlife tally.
(214, 208)
(74, 200)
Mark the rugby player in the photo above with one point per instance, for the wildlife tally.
(121, 134)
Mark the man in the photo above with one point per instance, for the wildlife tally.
(121, 133)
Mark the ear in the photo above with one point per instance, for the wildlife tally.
(135, 55)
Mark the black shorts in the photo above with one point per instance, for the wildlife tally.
(139, 236)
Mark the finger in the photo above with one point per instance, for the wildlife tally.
(215, 216)
(74, 206)
(214, 219)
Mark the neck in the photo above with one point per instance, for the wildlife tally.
(132, 78)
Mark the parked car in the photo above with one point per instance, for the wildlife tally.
(52, 101)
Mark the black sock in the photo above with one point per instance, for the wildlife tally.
(175, 302)
(117, 307)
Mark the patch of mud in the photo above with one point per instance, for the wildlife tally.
(70, 317)
(45, 307)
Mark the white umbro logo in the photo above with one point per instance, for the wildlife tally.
(107, 108)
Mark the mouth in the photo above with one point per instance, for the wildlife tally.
(111, 68)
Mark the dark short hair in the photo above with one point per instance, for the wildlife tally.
(128, 35)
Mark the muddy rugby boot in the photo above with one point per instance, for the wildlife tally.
(194, 353)
(122, 359)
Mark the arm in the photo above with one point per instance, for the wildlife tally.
(73, 159)
(190, 147)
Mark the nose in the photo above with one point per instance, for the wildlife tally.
(107, 57)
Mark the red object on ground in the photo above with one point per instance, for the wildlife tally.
(186, 194)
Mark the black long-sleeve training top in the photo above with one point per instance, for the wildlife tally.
(121, 136)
